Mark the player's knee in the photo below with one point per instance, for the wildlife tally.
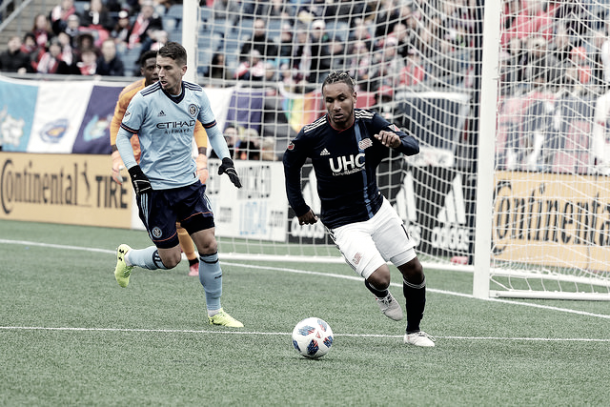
(171, 260)
(380, 278)
(412, 271)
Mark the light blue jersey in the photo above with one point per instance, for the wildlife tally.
(165, 125)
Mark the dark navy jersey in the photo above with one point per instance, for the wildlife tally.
(345, 163)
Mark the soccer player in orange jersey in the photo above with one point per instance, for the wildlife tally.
(149, 70)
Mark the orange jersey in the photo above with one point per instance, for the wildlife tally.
(201, 137)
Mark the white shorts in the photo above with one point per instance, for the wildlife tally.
(368, 245)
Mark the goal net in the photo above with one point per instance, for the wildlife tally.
(508, 101)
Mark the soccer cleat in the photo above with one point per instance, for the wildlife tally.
(224, 319)
(419, 339)
(390, 307)
(194, 270)
(122, 270)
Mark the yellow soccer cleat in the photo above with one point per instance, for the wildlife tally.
(224, 319)
(122, 270)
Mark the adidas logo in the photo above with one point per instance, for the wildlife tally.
(161, 113)
(324, 152)
(454, 211)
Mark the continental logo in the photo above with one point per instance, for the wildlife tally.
(68, 186)
(552, 212)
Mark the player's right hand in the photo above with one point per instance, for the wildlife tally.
(140, 182)
(308, 219)
(117, 166)
(229, 168)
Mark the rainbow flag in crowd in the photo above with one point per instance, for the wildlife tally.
(303, 109)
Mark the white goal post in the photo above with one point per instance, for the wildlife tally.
(508, 99)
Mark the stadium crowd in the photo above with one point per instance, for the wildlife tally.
(384, 45)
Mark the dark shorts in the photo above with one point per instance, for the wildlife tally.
(160, 210)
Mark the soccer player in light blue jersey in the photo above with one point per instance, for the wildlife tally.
(166, 183)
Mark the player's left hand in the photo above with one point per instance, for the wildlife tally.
(202, 168)
(229, 168)
(388, 138)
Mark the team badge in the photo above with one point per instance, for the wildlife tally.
(193, 110)
(156, 232)
(394, 128)
(291, 146)
(365, 143)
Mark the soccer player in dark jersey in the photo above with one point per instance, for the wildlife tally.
(165, 180)
(345, 147)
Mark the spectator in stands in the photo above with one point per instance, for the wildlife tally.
(268, 149)
(384, 98)
(73, 29)
(50, 61)
(260, 42)
(359, 65)
(121, 31)
(282, 10)
(226, 10)
(347, 11)
(561, 47)
(109, 64)
(249, 146)
(218, 68)
(59, 15)
(413, 73)
(42, 30)
(578, 72)
(253, 69)
(388, 65)
(67, 53)
(542, 68)
(361, 32)
(88, 63)
(319, 54)
(286, 44)
(30, 48)
(336, 49)
(576, 16)
(14, 59)
(146, 20)
(533, 19)
(597, 73)
(512, 65)
(310, 10)
(98, 21)
(84, 42)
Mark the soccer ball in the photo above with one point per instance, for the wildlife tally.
(312, 337)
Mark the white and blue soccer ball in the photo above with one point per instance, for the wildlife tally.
(312, 337)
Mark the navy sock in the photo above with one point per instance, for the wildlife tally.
(415, 295)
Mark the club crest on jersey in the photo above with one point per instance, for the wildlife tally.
(156, 232)
(291, 146)
(393, 127)
(193, 110)
(365, 143)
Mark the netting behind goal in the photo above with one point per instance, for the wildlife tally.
(421, 64)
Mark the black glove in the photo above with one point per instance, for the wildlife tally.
(228, 167)
(141, 184)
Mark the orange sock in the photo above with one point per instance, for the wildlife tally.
(186, 243)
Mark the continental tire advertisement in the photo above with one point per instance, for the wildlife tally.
(63, 188)
(552, 220)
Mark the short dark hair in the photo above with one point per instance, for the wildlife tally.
(174, 51)
(339, 77)
(147, 55)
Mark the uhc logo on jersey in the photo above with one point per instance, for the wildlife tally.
(346, 165)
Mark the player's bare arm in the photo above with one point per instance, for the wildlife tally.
(389, 139)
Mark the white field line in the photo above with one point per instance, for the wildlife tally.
(316, 273)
